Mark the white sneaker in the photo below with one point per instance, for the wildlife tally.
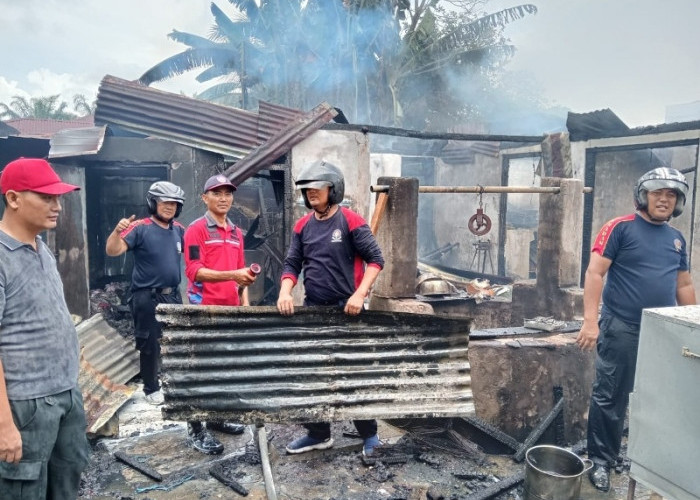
(155, 398)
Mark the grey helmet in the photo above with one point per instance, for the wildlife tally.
(164, 191)
(320, 174)
(661, 178)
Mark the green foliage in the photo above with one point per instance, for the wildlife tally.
(381, 61)
(46, 107)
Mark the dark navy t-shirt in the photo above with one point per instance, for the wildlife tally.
(332, 254)
(646, 259)
(157, 253)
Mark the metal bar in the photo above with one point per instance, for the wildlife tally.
(383, 188)
(265, 461)
(402, 132)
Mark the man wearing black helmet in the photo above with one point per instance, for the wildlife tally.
(156, 242)
(646, 264)
(332, 244)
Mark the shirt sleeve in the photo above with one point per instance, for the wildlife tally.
(241, 255)
(367, 247)
(194, 246)
(132, 234)
(294, 259)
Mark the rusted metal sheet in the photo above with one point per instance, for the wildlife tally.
(250, 364)
(193, 122)
(107, 363)
(280, 143)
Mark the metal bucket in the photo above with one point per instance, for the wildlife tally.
(553, 473)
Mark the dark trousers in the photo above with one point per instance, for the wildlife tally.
(147, 332)
(615, 368)
(54, 448)
(322, 430)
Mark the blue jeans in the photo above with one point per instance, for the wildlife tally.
(55, 449)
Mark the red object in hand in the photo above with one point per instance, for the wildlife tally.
(254, 269)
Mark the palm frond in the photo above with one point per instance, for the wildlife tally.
(215, 92)
(186, 61)
(192, 41)
(234, 32)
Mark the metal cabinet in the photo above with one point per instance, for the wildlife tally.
(664, 433)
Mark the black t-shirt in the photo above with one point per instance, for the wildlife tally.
(157, 253)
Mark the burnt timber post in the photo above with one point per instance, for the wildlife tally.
(397, 236)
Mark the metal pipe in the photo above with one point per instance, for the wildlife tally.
(383, 188)
(265, 460)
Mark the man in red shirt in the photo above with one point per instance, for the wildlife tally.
(215, 269)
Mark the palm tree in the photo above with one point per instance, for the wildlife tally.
(82, 106)
(369, 57)
(36, 107)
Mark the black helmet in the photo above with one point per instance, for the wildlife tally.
(661, 178)
(320, 174)
(164, 191)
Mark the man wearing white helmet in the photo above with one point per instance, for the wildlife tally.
(646, 264)
(156, 243)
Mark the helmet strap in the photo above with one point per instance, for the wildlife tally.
(324, 212)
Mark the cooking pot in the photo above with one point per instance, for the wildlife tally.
(429, 284)
(553, 473)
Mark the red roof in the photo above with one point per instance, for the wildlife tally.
(39, 127)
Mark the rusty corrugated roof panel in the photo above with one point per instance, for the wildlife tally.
(107, 363)
(251, 364)
(274, 118)
(77, 142)
(45, 128)
(185, 120)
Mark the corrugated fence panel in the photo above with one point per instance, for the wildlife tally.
(250, 364)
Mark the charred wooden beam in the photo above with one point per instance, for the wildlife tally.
(218, 474)
(402, 132)
(497, 488)
(538, 431)
(280, 143)
(133, 462)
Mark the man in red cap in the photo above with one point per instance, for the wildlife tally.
(43, 448)
(215, 269)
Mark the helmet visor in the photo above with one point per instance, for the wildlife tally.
(313, 184)
(655, 184)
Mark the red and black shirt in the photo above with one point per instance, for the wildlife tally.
(208, 245)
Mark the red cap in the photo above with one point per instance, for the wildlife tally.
(33, 174)
(216, 181)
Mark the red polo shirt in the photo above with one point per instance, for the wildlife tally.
(213, 247)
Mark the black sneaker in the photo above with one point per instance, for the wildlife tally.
(600, 477)
(204, 442)
(226, 427)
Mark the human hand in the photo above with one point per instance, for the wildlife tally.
(243, 277)
(285, 304)
(588, 336)
(123, 224)
(354, 305)
(10, 444)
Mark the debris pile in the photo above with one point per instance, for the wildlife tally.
(111, 302)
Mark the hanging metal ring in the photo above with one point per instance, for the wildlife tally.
(479, 223)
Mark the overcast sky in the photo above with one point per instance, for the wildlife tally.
(632, 56)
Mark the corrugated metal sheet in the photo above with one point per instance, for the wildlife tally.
(45, 128)
(74, 142)
(107, 363)
(185, 120)
(251, 364)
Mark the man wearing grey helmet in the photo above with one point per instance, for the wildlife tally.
(340, 259)
(646, 265)
(156, 242)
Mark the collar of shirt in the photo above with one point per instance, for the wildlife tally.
(212, 223)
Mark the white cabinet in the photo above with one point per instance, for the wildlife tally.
(664, 434)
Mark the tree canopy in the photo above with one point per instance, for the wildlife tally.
(48, 107)
(386, 62)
